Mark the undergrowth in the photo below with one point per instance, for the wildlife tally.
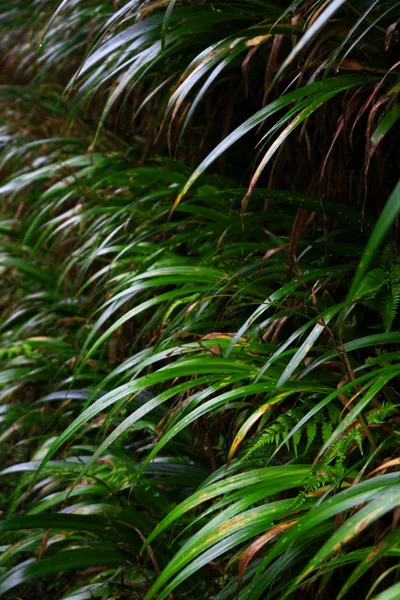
(199, 375)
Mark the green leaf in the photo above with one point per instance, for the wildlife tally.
(383, 224)
(385, 125)
(391, 593)
(65, 561)
(317, 24)
(284, 101)
(391, 540)
(379, 506)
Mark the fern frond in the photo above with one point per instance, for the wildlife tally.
(327, 429)
(372, 283)
(387, 255)
(389, 305)
(311, 429)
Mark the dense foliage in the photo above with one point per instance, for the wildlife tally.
(200, 282)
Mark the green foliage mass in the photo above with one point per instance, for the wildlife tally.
(380, 288)
(199, 293)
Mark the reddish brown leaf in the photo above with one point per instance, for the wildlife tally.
(257, 545)
(43, 545)
(271, 65)
(389, 34)
(272, 251)
(387, 465)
